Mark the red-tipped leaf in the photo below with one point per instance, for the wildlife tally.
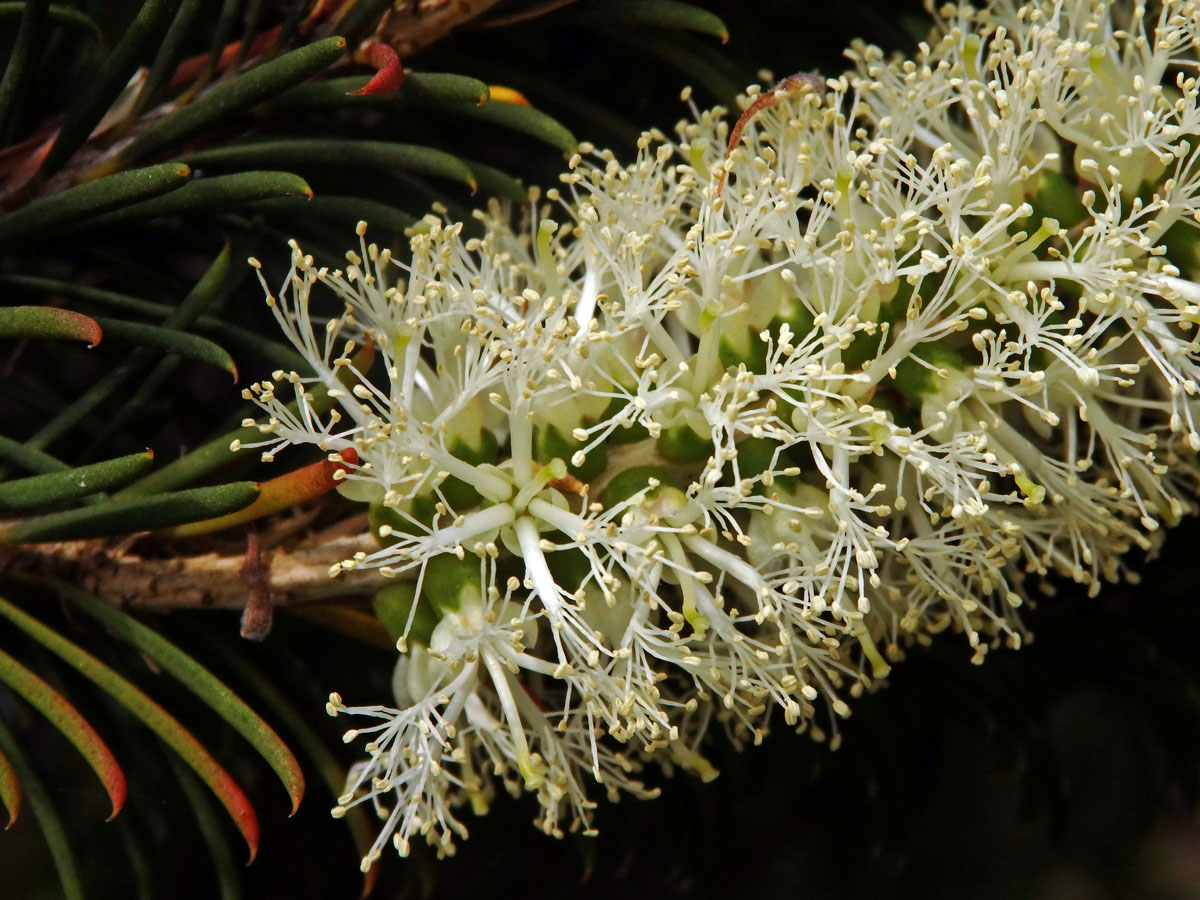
(153, 716)
(49, 322)
(74, 727)
(10, 790)
(200, 682)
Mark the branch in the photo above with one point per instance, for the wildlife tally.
(418, 24)
(206, 581)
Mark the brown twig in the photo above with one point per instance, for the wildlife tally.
(524, 15)
(294, 575)
(417, 25)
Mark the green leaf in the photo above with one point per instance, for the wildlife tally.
(217, 193)
(114, 517)
(47, 816)
(48, 322)
(334, 152)
(60, 487)
(28, 458)
(206, 292)
(59, 15)
(90, 199)
(171, 339)
(236, 96)
(26, 46)
(435, 88)
(197, 463)
(442, 87)
(150, 714)
(200, 682)
(221, 35)
(167, 55)
(347, 209)
(251, 342)
(97, 93)
(74, 727)
(524, 119)
(657, 14)
(10, 790)
(704, 65)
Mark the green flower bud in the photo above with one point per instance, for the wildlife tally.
(915, 380)
(385, 520)
(754, 456)
(681, 444)
(629, 482)
(447, 580)
(550, 443)
(1054, 198)
(393, 606)
(630, 434)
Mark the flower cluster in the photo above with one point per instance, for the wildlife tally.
(750, 417)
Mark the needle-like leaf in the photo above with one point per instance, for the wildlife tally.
(655, 13)
(90, 199)
(524, 119)
(60, 487)
(96, 94)
(45, 813)
(152, 715)
(137, 514)
(48, 322)
(331, 772)
(171, 339)
(25, 47)
(74, 727)
(335, 152)
(220, 450)
(236, 96)
(199, 681)
(10, 790)
(220, 193)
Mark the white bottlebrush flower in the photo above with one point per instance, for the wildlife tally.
(748, 417)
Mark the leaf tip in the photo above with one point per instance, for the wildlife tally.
(12, 801)
(503, 94)
(117, 787)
